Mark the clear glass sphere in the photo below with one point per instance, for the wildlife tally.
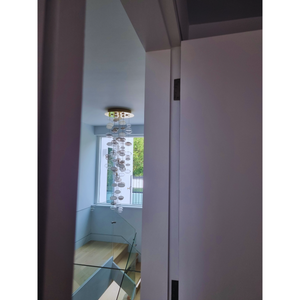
(109, 125)
(114, 169)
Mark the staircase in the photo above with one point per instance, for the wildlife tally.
(107, 270)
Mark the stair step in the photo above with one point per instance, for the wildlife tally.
(94, 253)
(112, 292)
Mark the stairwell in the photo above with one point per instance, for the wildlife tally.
(106, 271)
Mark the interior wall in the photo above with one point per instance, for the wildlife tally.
(101, 222)
(155, 214)
(60, 95)
(174, 174)
(220, 216)
(86, 181)
(87, 167)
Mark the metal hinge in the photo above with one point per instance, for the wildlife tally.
(177, 89)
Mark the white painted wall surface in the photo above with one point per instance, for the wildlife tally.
(174, 175)
(101, 222)
(87, 167)
(155, 215)
(220, 225)
(86, 181)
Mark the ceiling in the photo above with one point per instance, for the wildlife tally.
(207, 11)
(114, 58)
(114, 63)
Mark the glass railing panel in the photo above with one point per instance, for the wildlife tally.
(91, 283)
(95, 249)
(130, 282)
(122, 230)
(81, 274)
(134, 260)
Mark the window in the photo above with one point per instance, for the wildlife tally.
(133, 190)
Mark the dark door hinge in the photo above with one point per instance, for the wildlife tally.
(177, 89)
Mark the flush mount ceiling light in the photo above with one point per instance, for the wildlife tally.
(116, 112)
(119, 128)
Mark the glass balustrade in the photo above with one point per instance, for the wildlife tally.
(131, 281)
(107, 265)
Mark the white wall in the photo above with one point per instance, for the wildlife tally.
(155, 221)
(174, 175)
(220, 218)
(87, 167)
(86, 180)
(102, 217)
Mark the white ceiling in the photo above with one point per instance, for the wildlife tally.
(114, 63)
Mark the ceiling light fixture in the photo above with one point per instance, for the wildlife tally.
(119, 128)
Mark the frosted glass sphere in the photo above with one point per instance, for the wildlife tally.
(109, 125)
(116, 119)
(109, 144)
(128, 144)
(117, 191)
(113, 207)
(109, 135)
(113, 202)
(128, 131)
(122, 134)
(121, 184)
(113, 198)
(121, 198)
(122, 122)
(120, 209)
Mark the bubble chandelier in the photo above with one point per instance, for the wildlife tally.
(118, 158)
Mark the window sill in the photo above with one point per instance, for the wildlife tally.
(125, 206)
